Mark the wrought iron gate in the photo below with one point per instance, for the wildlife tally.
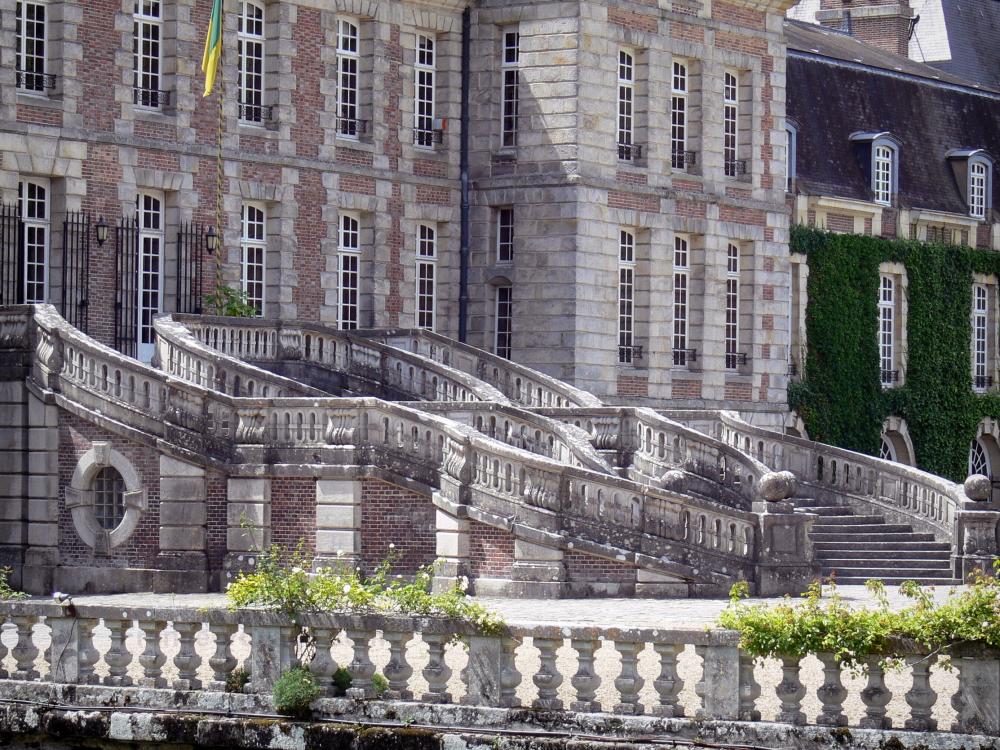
(11, 255)
(190, 263)
(73, 304)
(126, 291)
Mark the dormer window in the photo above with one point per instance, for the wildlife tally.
(978, 173)
(973, 170)
(881, 151)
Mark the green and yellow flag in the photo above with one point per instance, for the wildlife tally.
(213, 47)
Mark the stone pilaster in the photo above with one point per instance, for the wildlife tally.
(248, 523)
(41, 553)
(183, 535)
(452, 548)
(338, 522)
(538, 571)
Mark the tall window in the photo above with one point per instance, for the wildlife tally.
(732, 306)
(151, 234)
(626, 296)
(250, 54)
(254, 252)
(349, 262)
(883, 174)
(109, 498)
(505, 235)
(887, 330)
(30, 41)
(978, 180)
(33, 202)
(348, 67)
(423, 105)
(504, 320)
(626, 105)
(980, 340)
(426, 275)
(147, 37)
(730, 115)
(681, 270)
(791, 155)
(510, 101)
(678, 115)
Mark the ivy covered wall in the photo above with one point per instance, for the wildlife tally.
(840, 397)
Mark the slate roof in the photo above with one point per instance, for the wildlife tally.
(838, 86)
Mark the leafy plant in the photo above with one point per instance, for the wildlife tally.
(8, 592)
(237, 680)
(379, 684)
(342, 680)
(294, 693)
(231, 302)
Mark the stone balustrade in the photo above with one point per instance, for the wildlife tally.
(261, 340)
(561, 669)
(522, 385)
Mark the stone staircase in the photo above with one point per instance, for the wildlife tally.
(853, 548)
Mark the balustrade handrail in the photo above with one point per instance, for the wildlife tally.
(483, 362)
(298, 338)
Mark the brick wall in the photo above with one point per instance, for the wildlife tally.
(491, 551)
(217, 521)
(293, 513)
(583, 567)
(394, 515)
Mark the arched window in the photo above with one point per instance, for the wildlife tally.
(109, 498)
(887, 452)
(979, 460)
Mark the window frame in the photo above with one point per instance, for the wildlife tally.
(887, 328)
(348, 269)
(30, 226)
(425, 313)
(510, 83)
(505, 256)
(503, 310)
(791, 155)
(39, 78)
(424, 80)
(984, 203)
(680, 337)
(732, 306)
(148, 97)
(348, 78)
(626, 115)
(626, 295)
(883, 179)
(679, 112)
(151, 232)
(251, 112)
(731, 123)
(251, 244)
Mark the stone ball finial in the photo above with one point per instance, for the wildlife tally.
(776, 486)
(674, 480)
(978, 488)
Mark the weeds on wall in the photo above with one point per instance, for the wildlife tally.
(840, 397)
(230, 302)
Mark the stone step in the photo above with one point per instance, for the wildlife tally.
(862, 528)
(826, 510)
(868, 563)
(893, 580)
(891, 571)
(849, 520)
(883, 537)
(904, 544)
(842, 551)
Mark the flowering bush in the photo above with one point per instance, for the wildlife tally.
(8, 592)
(283, 580)
(818, 625)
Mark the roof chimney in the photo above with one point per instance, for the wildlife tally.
(884, 23)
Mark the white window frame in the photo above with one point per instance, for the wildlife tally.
(36, 218)
(253, 255)
(983, 300)
(424, 91)
(732, 333)
(503, 321)
(31, 75)
(510, 74)
(348, 78)
(349, 271)
(680, 83)
(887, 329)
(980, 182)
(426, 286)
(682, 300)
(626, 296)
(151, 219)
(883, 173)
(731, 122)
(505, 234)
(626, 105)
(791, 155)
(147, 69)
(252, 49)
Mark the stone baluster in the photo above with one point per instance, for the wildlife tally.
(831, 693)
(89, 654)
(548, 678)
(629, 682)
(668, 684)
(585, 681)
(977, 700)
(117, 656)
(921, 697)
(152, 658)
(749, 689)
(876, 697)
(790, 691)
(25, 651)
(222, 660)
(510, 678)
(323, 665)
(398, 670)
(361, 667)
(187, 659)
(436, 672)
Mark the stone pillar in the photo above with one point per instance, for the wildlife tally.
(452, 548)
(248, 523)
(14, 477)
(538, 571)
(976, 533)
(183, 561)
(42, 550)
(785, 562)
(338, 522)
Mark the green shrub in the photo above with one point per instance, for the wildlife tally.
(342, 681)
(226, 300)
(237, 680)
(294, 693)
(379, 684)
(7, 592)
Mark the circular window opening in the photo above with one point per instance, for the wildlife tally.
(109, 498)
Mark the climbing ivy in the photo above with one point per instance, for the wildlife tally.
(840, 397)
